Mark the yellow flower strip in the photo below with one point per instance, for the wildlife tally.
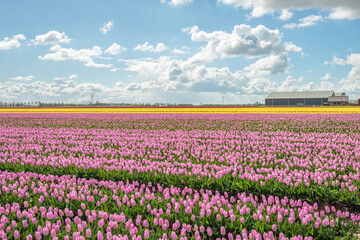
(331, 109)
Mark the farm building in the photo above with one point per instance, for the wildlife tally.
(306, 98)
(338, 99)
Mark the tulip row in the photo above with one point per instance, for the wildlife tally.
(298, 123)
(186, 176)
(36, 206)
(298, 156)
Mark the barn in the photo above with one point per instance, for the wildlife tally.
(305, 98)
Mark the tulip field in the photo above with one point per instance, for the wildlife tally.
(179, 176)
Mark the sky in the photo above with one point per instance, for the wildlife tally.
(176, 51)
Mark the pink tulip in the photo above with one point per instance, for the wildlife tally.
(16, 234)
(88, 233)
(37, 235)
(146, 234)
(274, 227)
(100, 236)
(53, 233)
(101, 223)
(173, 235)
(209, 231)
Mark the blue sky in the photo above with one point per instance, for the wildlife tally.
(177, 51)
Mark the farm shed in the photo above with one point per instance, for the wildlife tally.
(338, 99)
(306, 98)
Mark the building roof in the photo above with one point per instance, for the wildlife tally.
(305, 94)
(338, 99)
(339, 94)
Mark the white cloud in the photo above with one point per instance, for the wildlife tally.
(349, 9)
(290, 26)
(23, 78)
(310, 21)
(143, 86)
(62, 89)
(291, 47)
(115, 69)
(13, 42)
(192, 75)
(174, 75)
(82, 55)
(160, 47)
(336, 61)
(177, 2)
(65, 89)
(285, 15)
(115, 49)
(73, 76)
(242, 41)
(305, 22)
(272, 64)
(179, 51)
(107, 27)
(345, 13)
(51, 37)
(326, 77)
(290, 84)
(352, 82)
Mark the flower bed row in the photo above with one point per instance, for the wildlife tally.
(232, 156)
(302, 123)
(180, 176)
(36, 206)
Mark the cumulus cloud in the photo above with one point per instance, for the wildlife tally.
(82, 55)
(349, 9)
(291, 47)
(310, 21)
(73, 76)
(247, 42)
(115, 49)
(174, 75)
(51, 37)
(23, 78)
(352, 82)
(305, 22)
(177, 2)
(272, 64)
(290, 84)
(290, 26)
(285, 15)
(107, 27)
(326, 77)
(259, 86)
(146, 47)
(343, 12)
(13, 42)
(64, 89)
(192, 74)
(115, 69)
(142, 86)
(179, 51)
(242, 41)
(336, 61)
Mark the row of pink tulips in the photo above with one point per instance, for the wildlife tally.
(60, 206)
